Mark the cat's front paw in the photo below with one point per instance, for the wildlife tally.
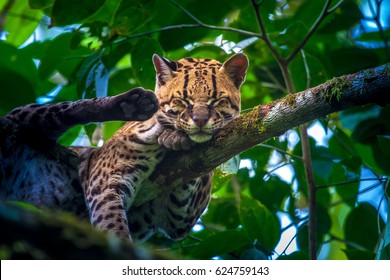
(139, 104)
(174, 140)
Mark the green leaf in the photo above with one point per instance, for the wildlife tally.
(384, 144)
(322, 170)
(222, 212)
(253, 254)
(220, 180)
(316, 71)
(367, 155)
(109, 128)
(292, 35)
(385, 253)
(25, 206)
(341, 145)
(20, 21)
(70, 136)
(375, 36)
(66, 12)
(361, 227)
(116, 54)
(351, 59)
(298, 255)
(67, 93)
(323, 226)
(384, 248)
(259, 223)
(231, 166)
(271, 193)
(40, 4)
(84, 71)
(106, 13)
(354, 254)
(219, 244)
(89, 130)
(141, 61)
(12, 59)
(59, 57)
(345, 17)
(366, 132)
(352, 117)
(16, 90)
(348, 192)
(132, 15)
(121, 81)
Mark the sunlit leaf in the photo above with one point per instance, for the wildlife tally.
(19, 22)
(109, 128)
(70, 136)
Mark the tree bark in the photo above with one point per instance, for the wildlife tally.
(267, 121)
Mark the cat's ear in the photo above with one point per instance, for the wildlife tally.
(235, 67)
(165, 69)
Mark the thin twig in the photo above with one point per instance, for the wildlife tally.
(202, 24)
(307, 70)
(357, 180)
(278, 167)
(280, 151)
(308, 165)
(356, 195)
(264, 33)
(325, 11)
(350, 243)
(272, 77)
(380, 203)
(179, 26)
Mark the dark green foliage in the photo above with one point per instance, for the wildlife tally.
(105, 48)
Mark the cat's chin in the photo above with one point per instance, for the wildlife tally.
(200, 137)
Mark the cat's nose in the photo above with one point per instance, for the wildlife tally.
(200, 120)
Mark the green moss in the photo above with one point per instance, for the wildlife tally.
(290, 99)
(261, 128)
(334, 88)
(251, 122)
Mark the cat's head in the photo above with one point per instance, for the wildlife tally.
(199, 96)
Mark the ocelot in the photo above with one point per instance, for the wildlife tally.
(196, 98)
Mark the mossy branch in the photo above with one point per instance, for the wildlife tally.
(267, 121)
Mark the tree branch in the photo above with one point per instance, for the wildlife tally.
(267, 121)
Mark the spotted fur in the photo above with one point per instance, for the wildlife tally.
(197, 97)
(36, 170)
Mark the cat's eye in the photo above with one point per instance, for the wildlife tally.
(221, 102)
(179, 104)
(172, 112)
